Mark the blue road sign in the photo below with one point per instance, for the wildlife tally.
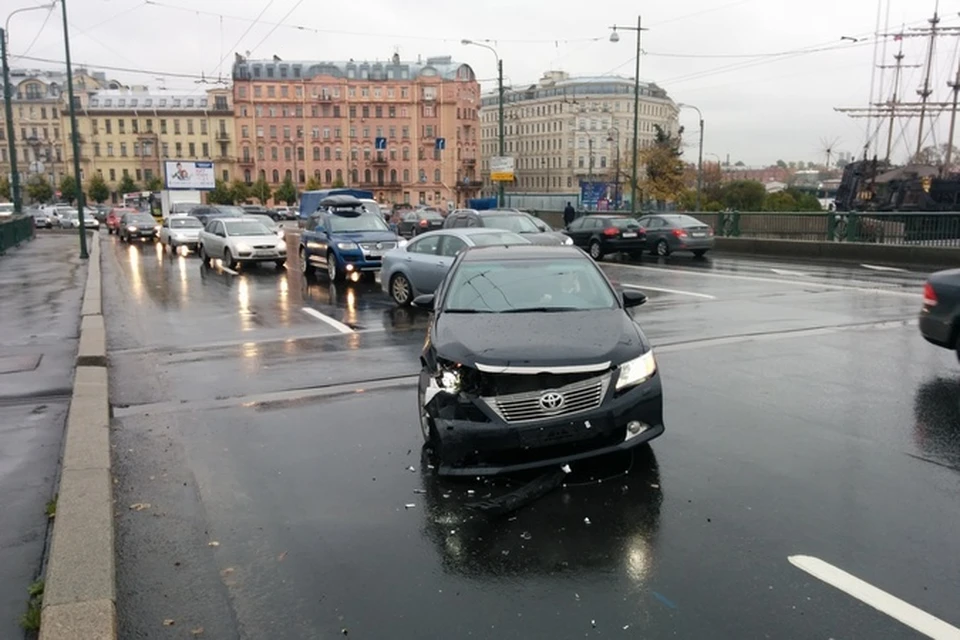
(441, 144)
(380, 143)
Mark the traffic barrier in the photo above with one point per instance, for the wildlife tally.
(14, 230)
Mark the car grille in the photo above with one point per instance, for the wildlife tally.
(577, 397)
(372, 246)
(264, 246)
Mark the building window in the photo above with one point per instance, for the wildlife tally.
(244, 131)
(328, 176)
(284, 92)
(406, 175)
(135, 126)
(436, 175)
(405, 133)
(192, 147)
(203, 127)
(276, 176)
(166, 150)
(300, 153)
(287, 155)
(302, 177)
(273, 131)
(178, 147)
(406, 153)
(355, 176)
(271, 91)
(136, 149)
(326, 153)
(139, 174)
(286, 133)
(326, 133)
(123, 149)
(365, 111)
(206, 150)
(338, 154)
(113, 175)
(163, 126)
(316, 153)
(96, 149)
(189, 126)
(274, 153)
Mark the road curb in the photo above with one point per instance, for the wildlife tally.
(79, 599)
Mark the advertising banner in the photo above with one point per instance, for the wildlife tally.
(501, 169)
(188, 175)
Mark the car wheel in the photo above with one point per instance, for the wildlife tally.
(699, 253)
(280, 264)
(662, 248)
(595, 252)
(305, 267)
(400, 290)
(204, 258)
(228, 260)
(333, 271)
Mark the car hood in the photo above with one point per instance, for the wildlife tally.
(365, 236)
(546, 238)
(538, 339)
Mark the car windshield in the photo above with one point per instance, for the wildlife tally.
(229, 210)
(515, 286)
(364, 222)
(684, 221)
(515, 223)
(430, 215)
(246, 228)
(372, 207)
(185, 223)
(141, 219)
(264, 220)
(71, 214)
(496, 238)
(625, 223)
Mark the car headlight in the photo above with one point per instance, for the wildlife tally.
(281, 246)
(568, 240)
(347, 246)
(131, 228)
(638, 370)
(449, 380)
(157, 229)
(243, 247)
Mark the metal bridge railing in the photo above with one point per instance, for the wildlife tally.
(14, 230)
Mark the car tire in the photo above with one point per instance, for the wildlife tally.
(280, 264)
(228, 260)
(595, 251)
(662, 249)
(334, 273)
(401, 290)
(305, 268)
(699, 253)
(204, 258)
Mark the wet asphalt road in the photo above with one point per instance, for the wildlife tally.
(41, 286)
(804, 414)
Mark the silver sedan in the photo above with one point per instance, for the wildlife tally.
(419, 266)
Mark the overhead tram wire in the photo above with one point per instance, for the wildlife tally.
(46, 19)
(242, 36)
(277, 26)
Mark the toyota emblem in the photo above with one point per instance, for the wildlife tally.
(552, 401)
(379, 245)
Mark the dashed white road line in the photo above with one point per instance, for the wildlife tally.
(880, 600)
(705, 296)
(336, 324)
(787, 272)
(877, 267)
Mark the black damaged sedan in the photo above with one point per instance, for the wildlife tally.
(532, 360)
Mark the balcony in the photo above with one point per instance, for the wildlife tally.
(222, 136)
(469, 162)
(245, 162)
(469, 185)
(324, 97)
(379, 161)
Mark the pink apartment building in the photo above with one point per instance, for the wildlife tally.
(407, 131)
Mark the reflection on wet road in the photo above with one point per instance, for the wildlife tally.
(804, 413)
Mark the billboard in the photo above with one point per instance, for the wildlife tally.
(188, 175)
(501, 169)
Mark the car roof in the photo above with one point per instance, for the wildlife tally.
(500, 212)
(342, 200)
(524, 252)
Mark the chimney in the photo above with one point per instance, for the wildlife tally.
(396, 58)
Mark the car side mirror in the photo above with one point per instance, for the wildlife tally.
(632, 298)
(424, 301)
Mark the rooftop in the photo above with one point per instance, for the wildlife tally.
(443, 67)
(142, 98)
(559, 84)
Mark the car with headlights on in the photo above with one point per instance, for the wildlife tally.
(507, 220)
(532, 359)
(180, 231)
(137, 225)
(114, 217)
(239, 241)
(420, 266)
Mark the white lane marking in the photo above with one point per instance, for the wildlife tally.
(798, 283)
(665, 290)
(787, 272)
(229, 270)
(880, 600)
(336, 324)
(877, 267)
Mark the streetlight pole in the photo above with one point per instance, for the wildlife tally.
(700, 155)
(615, 37)
(616, 184)
(8, 108)
(75, 136)
(500, 196)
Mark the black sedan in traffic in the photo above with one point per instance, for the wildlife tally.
(602, 234)
(532, 360)
(940, 314)
(414, 223)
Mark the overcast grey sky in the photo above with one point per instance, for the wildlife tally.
(757, 109)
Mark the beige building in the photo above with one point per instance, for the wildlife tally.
(41, 122)
(563, 130)
(131, 131)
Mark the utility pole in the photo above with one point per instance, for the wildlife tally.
(500, 199)
(615, 37)
(590, 159)
(925, 92)
(11, 143)
(75, 136)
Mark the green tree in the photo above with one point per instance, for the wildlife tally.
(5, 188)
(780, 201)
(221, 193)
(153, 184)
(663, 181)
(744, 195)
(68, 188)
(313, 184)
(286, 192)
(39, 190)
(337, 183)
(261, 191)
(240, 191)
(781, 164)
(127, 185)
(97, 189)
(808, 202)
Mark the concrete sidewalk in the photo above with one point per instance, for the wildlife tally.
(41, 287)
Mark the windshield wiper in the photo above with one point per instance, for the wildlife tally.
(541, 310)
(467, 311)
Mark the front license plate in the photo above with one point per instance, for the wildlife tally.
(266, 254)
(374, 254)
(557, 434)
(630, 234)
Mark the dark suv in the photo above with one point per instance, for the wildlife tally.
(507, 220)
